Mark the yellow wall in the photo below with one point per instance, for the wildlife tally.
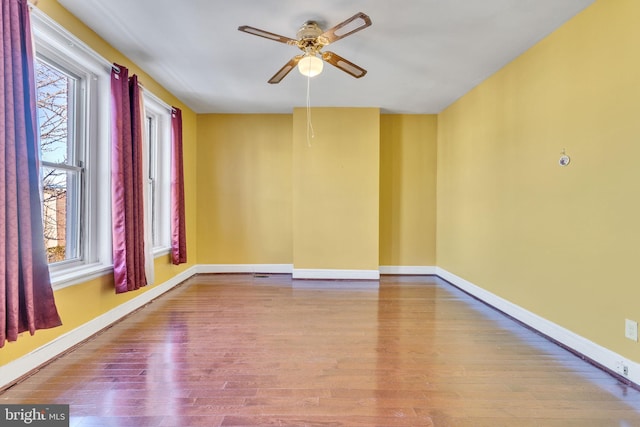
(80, 303)
(336, 189)
(408, 190)
(245, 184)
(561, 242)
(244, 189)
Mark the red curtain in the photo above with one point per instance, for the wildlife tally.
(127, 181)
(26, 297)
(178, 228)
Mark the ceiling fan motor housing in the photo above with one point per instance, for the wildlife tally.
(309, 38)
(310, 30)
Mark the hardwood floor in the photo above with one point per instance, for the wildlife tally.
(243, 350)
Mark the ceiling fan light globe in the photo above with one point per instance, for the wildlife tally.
(310, 66)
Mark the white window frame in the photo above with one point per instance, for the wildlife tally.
(160, 139)
(58, 45)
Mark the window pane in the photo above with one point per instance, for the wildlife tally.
(55, 103)
(61, 193)
(152, 143)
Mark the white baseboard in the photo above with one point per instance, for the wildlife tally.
(408, 269)
(245, 268)
(331, 274)
(27, 363)
(598, 354)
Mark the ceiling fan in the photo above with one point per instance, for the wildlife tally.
(311, 39)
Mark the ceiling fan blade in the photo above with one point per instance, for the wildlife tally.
(267, 35)
(347, 27)
(282, 73)
(346, 66)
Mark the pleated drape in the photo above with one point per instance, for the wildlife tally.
(127, 182)
(178, 220)
(26, 297)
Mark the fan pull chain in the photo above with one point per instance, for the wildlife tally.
(310, 133)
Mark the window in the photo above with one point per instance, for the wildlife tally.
(73, 114)
(158, 145)
(59, 107)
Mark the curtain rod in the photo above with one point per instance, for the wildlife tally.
(148, 93)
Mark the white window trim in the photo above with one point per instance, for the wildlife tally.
(56, 43)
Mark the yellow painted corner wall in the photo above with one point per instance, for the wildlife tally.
(80, 303)
(561, 242)
(408, 189)
(336, 189)
(244, 189)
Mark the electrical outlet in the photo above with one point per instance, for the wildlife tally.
(631, 329)
(622, 368)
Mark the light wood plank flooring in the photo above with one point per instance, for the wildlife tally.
(244, 350)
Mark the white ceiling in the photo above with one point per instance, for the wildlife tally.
(421, 55)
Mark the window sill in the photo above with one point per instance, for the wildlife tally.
(84, 273)
(70, 277)
(160, 251)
